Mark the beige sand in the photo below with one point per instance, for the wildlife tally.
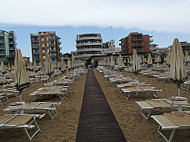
(63, 127)
(127, 113)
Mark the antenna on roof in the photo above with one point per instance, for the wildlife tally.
(111, 33)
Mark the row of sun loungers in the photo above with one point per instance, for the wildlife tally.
(177, 119)
(21, 115)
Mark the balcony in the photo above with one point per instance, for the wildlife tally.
(89, 43)
(11, 42)
(137, 44)
(52, 38)
(53, 56)
(89, 49)
(52, 51)
(87, 55)
(35, 47)
(11, 49)
(1, 41)
(35, 53)
(36, 41)
(86, 38)
(136, 39)
(2, 54)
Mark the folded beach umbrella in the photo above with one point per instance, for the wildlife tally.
(112, 61)
(35, 66)
(120, 61)
(63, 66)
(177, 66)
(2, 67)
(48, 64)
(131, 60)
(149, 62)
(108, 61)
(21, 80)
(136, 62)
(186, 56)
(69, 64)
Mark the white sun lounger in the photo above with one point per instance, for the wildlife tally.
(51, 91)
(50, 107)
(20, 121)
(172, 122)
(132, 84)
(149, 105)
(128, 91)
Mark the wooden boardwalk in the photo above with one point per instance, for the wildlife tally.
(97, 122)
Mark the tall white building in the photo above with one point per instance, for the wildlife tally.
(89, 44)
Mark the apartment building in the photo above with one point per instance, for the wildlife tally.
(43, 42)
(7, 46)
(136, 41)
(89, 44)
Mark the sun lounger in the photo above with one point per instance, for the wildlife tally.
(128, 91)
(149, 105)
(20, 121)
(3, 98)
(172, 121)
(132, 84)
(50, 91)
(50, 107)
(186, 85)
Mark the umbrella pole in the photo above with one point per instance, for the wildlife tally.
(179, 89)
(20, 91)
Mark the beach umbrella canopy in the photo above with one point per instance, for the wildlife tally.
(48, 64)
(21, 80)
(177, 66)
(136, 62)
(131, 60)
(63, 67)
(2, 67)
(120, 61)
(112, 61)
(168, 58)
(186, 56)
(35, 66)
(108, 61)
(69, 64)
(149, 59)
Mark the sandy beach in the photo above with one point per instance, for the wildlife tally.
(135, 128)
(63, 127)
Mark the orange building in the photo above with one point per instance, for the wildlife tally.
(136, 41)
(43, 42)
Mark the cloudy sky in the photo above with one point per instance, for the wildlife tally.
(164, 19)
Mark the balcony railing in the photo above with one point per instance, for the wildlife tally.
(137, 44)
(36, 53)
(89, 43)
(89, 49)
(86, 38)
(87, 55)
(34, 40)
(52, 51)
(11, 49)
(136, 39)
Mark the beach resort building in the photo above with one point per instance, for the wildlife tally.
(43, 42)
(89, 44)
(7, 46)
(136, 41)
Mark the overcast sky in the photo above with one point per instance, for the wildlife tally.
(150, 15)
(163, 19)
